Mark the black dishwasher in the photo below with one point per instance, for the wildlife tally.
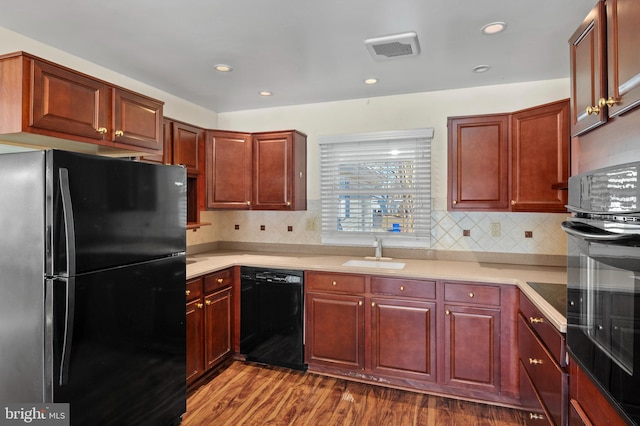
(271, 316)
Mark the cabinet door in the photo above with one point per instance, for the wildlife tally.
(540, 157)
(137, 121)
(228, 170)
(403, 338)
(479, 163)
(167, 146)
(472, 348)
(623, 57)
(335, 330)
(279, 171)
(195, 338)
(69, 103)
(217, 323)
(186, 139)
(588, 72)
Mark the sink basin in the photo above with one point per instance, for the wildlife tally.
(382, 264)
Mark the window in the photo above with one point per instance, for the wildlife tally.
(377, 184)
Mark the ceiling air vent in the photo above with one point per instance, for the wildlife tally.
(393, 46)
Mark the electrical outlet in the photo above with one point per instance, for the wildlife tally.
(312, 224)
(495, 229)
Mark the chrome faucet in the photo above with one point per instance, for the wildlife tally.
(378, 245)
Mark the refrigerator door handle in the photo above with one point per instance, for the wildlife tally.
(67, 210)
(67, 338)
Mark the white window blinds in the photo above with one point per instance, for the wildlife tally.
(377, 184)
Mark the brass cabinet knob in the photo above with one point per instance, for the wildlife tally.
(401, 288)
(359, 302)
(119, 133)
(454, 202)
(288, 203)
(248, 203)
(199, 305)
(514, 202)
(471, 295)
(208, 302)
(533, 320)
(593, 110)
(102, 130)
(334, 283)
(608, 102)
(373, 303)
(534, 361)
(448, 312)
(220, 280)
(187, 292)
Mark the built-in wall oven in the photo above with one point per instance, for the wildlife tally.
(603, 289)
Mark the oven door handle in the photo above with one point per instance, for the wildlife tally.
(588, 232)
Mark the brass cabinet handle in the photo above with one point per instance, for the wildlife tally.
(119, 133)
(288, 203)
(534, 361)
(220, 280)
(208, 302)
(534, 416)
(199, 305)
(248, 203)
(373, 303)
(593, 110)
(102, 130)
(401, 288)
(334, 283)
(514, 202)
(533, 320)
(448, 312)
(359, 302)
(608, 102)
(187, 292)
(454, 202)
(471, 295)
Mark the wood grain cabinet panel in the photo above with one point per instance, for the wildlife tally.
(217, 324)
(194, 329)
(478, 162)
(137, 121)
(403, 337)
(588, 72)
(472, 348)
(229, 170)
(335, 330)
(186, 146)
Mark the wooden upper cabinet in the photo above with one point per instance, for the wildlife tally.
(69, 103)
(228, 170)
(605, 64)
(186, 144)
(137, 121)
(75, 110)
(279, 171)
(479, 162)
(588, 72)
(623, 33)
(540, 158)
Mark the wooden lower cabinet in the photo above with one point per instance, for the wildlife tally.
(472, 348)
(209, 322)
(413, 333)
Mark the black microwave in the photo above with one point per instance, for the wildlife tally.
(603, 288)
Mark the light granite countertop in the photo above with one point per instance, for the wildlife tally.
(519, 275)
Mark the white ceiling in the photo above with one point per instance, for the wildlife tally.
(304, 51)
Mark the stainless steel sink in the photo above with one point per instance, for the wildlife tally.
(381, 264)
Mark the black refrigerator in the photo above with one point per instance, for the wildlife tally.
(92, 286)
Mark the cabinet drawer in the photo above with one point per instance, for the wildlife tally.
(218, 280)
(194, 289)
(404, 287)
(550, 336)
(472, 293)
(343, 283)
(549, 380)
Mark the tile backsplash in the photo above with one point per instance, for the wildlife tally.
(487, 231)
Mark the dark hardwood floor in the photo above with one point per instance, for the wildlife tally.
(251, 394)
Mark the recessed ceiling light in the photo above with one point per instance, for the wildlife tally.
(370, 81)
(222, 68)
(481, 68)
(265, 93)
(494, 28)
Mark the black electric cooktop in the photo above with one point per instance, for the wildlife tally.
(555, 294)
